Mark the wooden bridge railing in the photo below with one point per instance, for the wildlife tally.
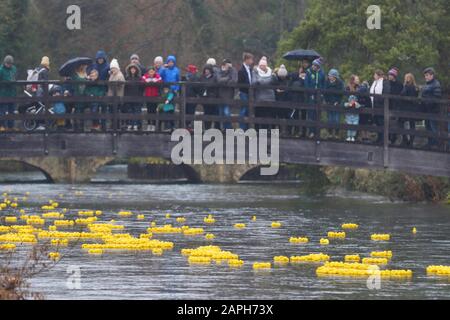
(114, 113)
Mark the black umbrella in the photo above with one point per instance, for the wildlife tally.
(301, 54)
(69, 67)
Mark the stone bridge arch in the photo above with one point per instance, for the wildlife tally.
(66, 170)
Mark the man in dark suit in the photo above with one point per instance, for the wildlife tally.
(245, 76)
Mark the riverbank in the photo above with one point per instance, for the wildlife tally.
(393, 185)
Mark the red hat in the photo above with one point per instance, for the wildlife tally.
(192, 68)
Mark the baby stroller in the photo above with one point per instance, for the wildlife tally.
(36, 108)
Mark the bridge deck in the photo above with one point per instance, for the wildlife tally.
(115, 141)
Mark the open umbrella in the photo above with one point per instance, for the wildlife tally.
(68, 68)
(301, 54)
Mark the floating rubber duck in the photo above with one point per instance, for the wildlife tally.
(254, 218)
(240, 226)
(11, 219)
(276, 225)
(438, 271)
(336, 235)
(324, 242)
(380, 237)
(209, 220)
(381, 254)
(9, 247)
(55, 256)
(168, 216)
(298, 240)
(210, 236)
(181, 220)
(319, 257)
(281, 260)
(352, 258)
(235, 263)
(375, 261)
(141, 217)
(125, 214)
(193, 231)
(262, 265)
(350, 226)
(95, 252)
(414, 230)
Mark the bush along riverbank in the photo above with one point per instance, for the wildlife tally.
(394, 185)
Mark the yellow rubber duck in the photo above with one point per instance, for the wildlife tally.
(276, 225)
(324, 242)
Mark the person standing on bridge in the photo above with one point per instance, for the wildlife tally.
(210, 78)
(116, 79)
(334, 83)
(152, 90)
(227, 76)
(101, 65)
(171, 74)
(135, 59)
(245, 77)
(432, 90)
(315, 79)
(158, 63)
(396, 89)
(263, 76)
(8, 73)
(379, 87)
(410, 89)
(133, 88)
(191, 90)
(79, 90)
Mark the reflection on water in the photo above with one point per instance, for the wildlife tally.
(143, 276)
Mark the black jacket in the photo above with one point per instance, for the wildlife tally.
(396, 89)
(409, 91)
(244, 79)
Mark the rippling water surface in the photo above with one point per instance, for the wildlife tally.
(143, 276)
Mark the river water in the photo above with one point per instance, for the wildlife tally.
(143, 276)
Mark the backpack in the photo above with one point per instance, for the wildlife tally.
(33, 75)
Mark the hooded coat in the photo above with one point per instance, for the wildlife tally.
(334, 98)
(171, 74)
(132, 89)
(8, 75)
(103, 69)
(209, 92)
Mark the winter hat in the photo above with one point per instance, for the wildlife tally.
(158, 60)
(263, 62)
(212, 62)
(317, 62)
(333, 73)
(226, 61)
(135, 57)
(45, 62)
(282, 72)
(393, 72)
(8, 60)
(114, 64)
(353, 98)
(192, 69)
(429, 70)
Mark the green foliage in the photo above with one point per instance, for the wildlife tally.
(414, 35)
(17, 32)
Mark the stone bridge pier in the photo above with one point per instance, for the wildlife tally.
(221, 173)
(66, 170)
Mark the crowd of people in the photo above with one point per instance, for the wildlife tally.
(138, 80)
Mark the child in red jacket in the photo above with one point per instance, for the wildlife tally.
(152, 77)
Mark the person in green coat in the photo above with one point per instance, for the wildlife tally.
(93, 89)
(79, 89)
(8, 73)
